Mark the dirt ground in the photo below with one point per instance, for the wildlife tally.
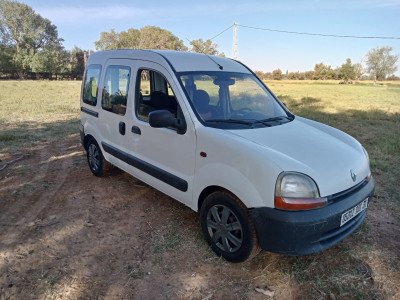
(66, 234)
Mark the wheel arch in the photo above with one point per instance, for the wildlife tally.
(249, 244)
(212, 189)
(86, 139)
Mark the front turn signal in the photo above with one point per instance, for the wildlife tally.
(299, 203)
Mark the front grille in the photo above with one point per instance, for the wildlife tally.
(347, 193)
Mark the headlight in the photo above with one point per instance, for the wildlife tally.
(296, 191)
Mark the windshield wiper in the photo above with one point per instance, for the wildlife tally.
(236, 121)
(266, 121)
(271, 119)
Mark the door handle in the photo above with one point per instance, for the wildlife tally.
(122, 128)
(136, 130)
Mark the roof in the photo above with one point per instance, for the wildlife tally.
(178, 61)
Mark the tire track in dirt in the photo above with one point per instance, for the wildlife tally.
(17, 205)
(56, 172)
(37, 180)
(27, 207)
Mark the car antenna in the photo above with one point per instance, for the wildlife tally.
(219, 66)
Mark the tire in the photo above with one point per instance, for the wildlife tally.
(228, 227)
(95, 158)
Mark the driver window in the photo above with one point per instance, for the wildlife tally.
(154, 93)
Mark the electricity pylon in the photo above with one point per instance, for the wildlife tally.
(235, 43)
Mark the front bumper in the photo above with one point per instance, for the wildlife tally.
(310, 231)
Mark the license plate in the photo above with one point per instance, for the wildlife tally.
(351, 213)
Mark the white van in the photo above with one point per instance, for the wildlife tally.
(207, 132)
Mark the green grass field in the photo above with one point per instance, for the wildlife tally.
(32, 112)
(36, 112)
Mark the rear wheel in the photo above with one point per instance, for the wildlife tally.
(95, 158)
(228, 228)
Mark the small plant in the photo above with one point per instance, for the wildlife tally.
(49, 279)
(136, 273)
(169, 243)
(52, 280)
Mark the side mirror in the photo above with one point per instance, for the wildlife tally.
(164, 118)
(161, 118)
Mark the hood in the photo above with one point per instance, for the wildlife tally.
(322, 152)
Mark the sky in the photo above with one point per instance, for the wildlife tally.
(80, 23)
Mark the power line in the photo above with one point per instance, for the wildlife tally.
(321, 34)
(222, 32)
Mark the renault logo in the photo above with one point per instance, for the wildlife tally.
(353, 175)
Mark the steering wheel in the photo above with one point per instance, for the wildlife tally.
(244, 110)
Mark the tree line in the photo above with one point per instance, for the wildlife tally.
(30, 48)
(380, 65)
(152, 37)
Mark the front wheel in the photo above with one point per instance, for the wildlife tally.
(228, 228)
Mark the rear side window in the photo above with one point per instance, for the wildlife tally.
(115, 89)
(90, 87)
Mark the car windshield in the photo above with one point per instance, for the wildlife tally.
(232, 100)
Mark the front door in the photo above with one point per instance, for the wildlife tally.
(162, 157)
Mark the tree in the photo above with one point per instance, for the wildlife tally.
(129, 39)
(291, 76)
(148, 37)
(267, 76)
(358, 70)
(295, 76)
(21, 61)
(206, 47)
(380, 63)
(77, 63)
(6, 63)
(393, 78)
(21, 28)
(260, 74)
(309, 75)
(322, 72)
(347, 72)
(108, 40)
(153, 37)
(51, 60)
(277, 74)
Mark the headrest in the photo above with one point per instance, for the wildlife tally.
(159, 100)
(201, 98)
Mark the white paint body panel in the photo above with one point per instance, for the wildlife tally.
(245, 162)
(317, 150)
